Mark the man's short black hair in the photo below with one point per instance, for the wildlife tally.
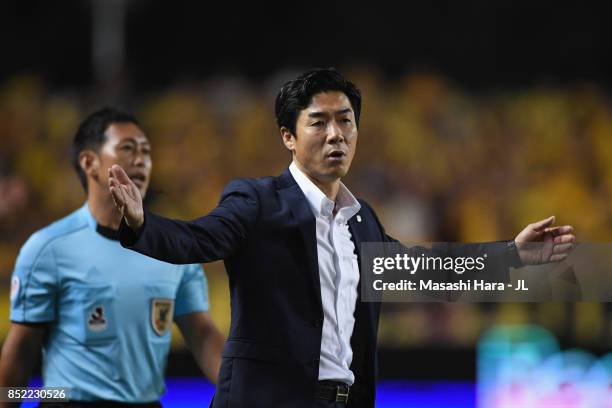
(297, 94)
(91, 134)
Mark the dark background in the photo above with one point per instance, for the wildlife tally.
(481, 44)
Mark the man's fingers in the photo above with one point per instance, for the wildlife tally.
(118, 173)
(117, 197)
(564, 239)
(116, 192)
(125, 191)
(563, 248)
(558, 257)
(555, 231)
(112, 182)
(542, 224)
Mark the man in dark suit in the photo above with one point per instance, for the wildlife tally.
(299, 337)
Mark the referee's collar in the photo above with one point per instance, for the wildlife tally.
(106, 232)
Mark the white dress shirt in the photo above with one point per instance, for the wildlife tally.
(338, 275)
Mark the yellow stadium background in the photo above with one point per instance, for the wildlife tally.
(437, 162)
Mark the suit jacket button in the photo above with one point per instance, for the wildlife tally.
(315, 362)
(318, 323)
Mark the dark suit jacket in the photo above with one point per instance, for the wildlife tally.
(264, 230)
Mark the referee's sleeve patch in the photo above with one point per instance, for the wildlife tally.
(15, 287)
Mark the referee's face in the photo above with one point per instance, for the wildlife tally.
(325, 139)
(128, 146)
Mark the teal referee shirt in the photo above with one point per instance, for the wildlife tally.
(109, 309)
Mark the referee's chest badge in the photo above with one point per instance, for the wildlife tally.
(96, 321)
(162, 311)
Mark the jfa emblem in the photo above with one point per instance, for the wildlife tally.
(97, 320)
(162, 312)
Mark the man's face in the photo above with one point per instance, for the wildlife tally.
(127, 146)
(326, 136)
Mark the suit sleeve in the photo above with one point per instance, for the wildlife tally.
(210, 238)
(499, 258)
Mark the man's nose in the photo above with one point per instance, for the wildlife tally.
(139, 158)
(334, 132)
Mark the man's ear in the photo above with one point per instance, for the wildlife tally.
(288, 138)
(90, 163)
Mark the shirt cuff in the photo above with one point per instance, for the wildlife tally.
(127, 236)
(514, 260)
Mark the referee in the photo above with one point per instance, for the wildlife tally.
(102, 314)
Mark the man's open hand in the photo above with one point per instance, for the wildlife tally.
(540, 243)
(126, 196)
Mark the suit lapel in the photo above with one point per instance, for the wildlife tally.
(362, 314)
(361, 228)
(291, 193)
(357, 236)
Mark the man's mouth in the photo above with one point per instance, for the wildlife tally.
(335, 155)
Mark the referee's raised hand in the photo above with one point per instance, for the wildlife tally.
(126, 196)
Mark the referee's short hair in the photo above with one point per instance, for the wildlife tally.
(91, 135)
(297, 94)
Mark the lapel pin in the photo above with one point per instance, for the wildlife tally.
(359, 218)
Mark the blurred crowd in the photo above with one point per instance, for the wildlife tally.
(437, 162)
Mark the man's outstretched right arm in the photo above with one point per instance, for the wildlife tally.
(212, 237)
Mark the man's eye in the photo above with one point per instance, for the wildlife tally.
(346, 120)
(317, 124)
(146, 151)
(126, 147)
